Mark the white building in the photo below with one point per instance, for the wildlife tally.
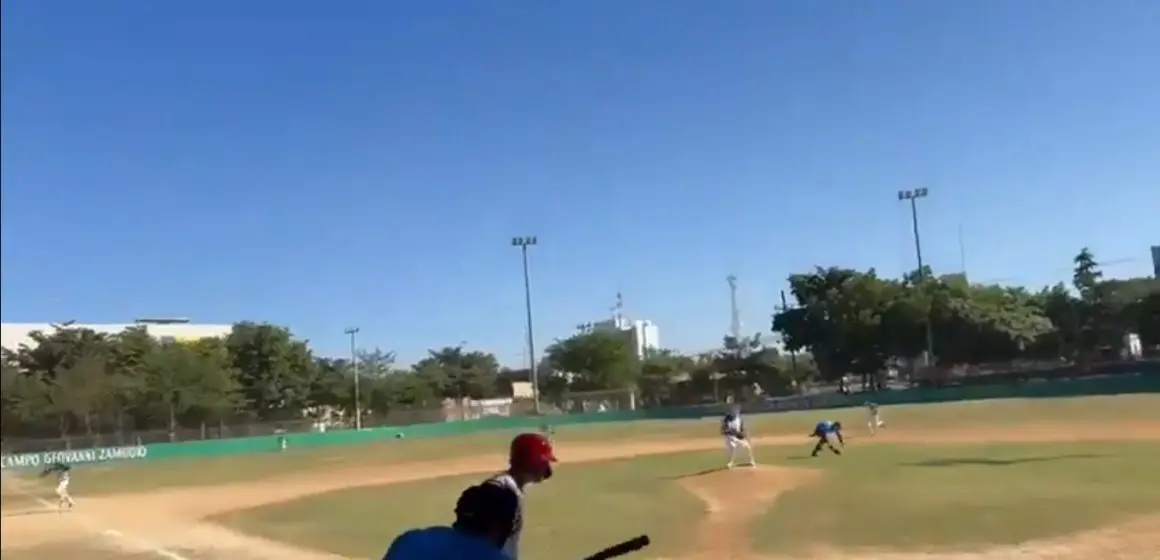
(644, 335)
(12, 335)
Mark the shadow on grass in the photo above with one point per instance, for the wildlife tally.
(29, 512)
(695, 474)
(808, 457)
(987, 462)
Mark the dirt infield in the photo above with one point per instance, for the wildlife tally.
(171, 524)
(733, 499)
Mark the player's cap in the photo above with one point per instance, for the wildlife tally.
(532, 449)
(487, 503)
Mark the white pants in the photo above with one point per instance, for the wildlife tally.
(875, 422)
(62, 493)
(733, 443)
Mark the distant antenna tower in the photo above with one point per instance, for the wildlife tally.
(618, 311)
(735, 314)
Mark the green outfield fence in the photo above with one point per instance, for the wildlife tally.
(1109, 385)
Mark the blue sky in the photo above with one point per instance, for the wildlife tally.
(325, 164)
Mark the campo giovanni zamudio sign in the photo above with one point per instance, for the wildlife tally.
(73, 457)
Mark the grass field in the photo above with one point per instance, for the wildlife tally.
(582, 506)
(964, 497)
(964, 476)
(148, 477)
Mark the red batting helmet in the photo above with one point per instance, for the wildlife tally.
(532, 452)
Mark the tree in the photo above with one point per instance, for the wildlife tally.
(217, 395)
(976, 324)
(1144, 313)
(173, 381)
(839, 319)
(1133, 306)
(856, 322)
(597, 360)
(746, 362)
(275, 372)
(82, 385)
(23, 398)
(375, 362)
(333, 385)
(407, 389)
(79, 390)
(458, 373)
(660, 370)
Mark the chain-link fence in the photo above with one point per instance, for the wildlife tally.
(568, 403)
(450, 411)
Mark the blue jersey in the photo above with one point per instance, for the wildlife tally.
(825, 427)
(441, 543)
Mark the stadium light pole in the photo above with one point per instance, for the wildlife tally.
(352, 332)
(912, 196)
(523, 243)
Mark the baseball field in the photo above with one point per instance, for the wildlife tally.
(1075, 478)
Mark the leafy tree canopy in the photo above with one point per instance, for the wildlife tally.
(857, 322)
(74, 381)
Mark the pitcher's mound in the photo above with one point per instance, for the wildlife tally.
(733, 499)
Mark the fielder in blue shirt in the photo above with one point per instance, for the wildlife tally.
(827, 432)
(485, 517)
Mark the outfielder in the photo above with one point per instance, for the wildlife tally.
(529, 462)
(875, 418)
(826, 432)
(63, 476)
(733, 430)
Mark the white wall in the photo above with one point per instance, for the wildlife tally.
(12, 335)
(646, 336)
(643, 335)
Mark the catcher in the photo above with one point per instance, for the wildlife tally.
(485, 517)
(63, 477)
(733, 430)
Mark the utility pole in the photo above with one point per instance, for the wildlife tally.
(913, 196)
(352, 332)
(523, 243)
(734, 312)
(963, 255)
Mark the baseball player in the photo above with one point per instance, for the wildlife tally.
(875, 418)
(733, 430)
(63, 476)
(485, 517)
(826, 432)
(529, 462)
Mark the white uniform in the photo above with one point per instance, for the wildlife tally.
(511, 548)
(62, 482)
(875, 420)
(733, 430)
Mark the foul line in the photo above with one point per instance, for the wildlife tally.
(17, 486)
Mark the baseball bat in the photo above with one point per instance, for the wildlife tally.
(626, 547)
